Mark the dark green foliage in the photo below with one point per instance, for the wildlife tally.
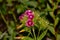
(48, 20)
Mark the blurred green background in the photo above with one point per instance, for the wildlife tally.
(10, 10)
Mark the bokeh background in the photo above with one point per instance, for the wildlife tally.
(10, 10)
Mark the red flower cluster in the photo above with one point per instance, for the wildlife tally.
(30, 16)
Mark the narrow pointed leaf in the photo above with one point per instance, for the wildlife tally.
(51, 29)
(42, 35)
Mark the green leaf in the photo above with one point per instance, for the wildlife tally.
(52, 30)
(42, 35)
(11, 27)
(56, 21)
(27, 38)
(0, 32)
(32, 3)
(3, 9)
(52, 15)
(23, 1)
(58, 11)
(43, 14)
(48, 8)
(50, 1)
(10, 11)
(55, 6)
(36, 14)
(12, 24)
(11, 30)
(58, 0)
(27, 29)
(5, 36)
(20, 8)
(41, 1)
(9, 1)
(12, 36)
(58, 37)
(1, 0)
(44, 23)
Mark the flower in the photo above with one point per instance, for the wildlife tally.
(29, 23)
(30, 16)
(28, 12)
(21, 17)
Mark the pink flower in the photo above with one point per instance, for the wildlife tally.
(28, 12)
(30, 16)
(29, 23)
(21, 17)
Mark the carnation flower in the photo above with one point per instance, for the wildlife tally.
(30, 16)
(28, 12)
(21, 17)
(29, 23)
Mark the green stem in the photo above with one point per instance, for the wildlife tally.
(14, 17)
(4, 19)
(38, 32)
(34, 33)
(30, 33)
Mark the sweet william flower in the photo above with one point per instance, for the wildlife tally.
(30, 16)
(21, 17)
(28, 12)
(29, 23)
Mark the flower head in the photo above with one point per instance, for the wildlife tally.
(28, 12)
(29, 23)
(21, 17)
(30, 16)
